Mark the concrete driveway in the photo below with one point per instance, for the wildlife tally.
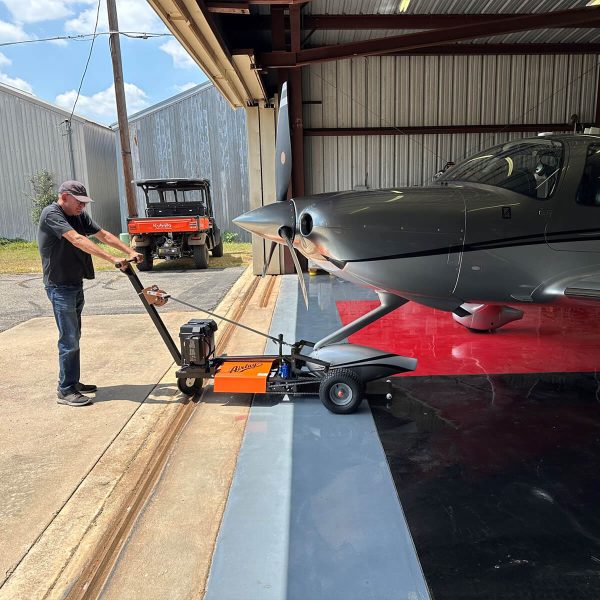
(65, 472)
(111, 292)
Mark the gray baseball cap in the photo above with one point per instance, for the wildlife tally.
(75, 188)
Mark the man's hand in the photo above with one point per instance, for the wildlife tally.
(136, 256)
(120, 263)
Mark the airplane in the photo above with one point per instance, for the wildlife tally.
(518, 223)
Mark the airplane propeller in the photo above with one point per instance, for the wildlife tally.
(283, 149)
(286, 234)
(283, 173)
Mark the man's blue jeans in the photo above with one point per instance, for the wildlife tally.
(67, 302)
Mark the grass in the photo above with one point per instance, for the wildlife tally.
(18, 256)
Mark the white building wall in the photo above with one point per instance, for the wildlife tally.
(34, 138)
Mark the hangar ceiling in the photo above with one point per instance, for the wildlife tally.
(386, 92)
(248, 47)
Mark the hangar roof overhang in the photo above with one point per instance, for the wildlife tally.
(245, 47)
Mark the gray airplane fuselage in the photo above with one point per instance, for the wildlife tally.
(450, 242)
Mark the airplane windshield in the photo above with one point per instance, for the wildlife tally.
(530, 167)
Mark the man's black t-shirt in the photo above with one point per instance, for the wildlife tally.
(62, 262)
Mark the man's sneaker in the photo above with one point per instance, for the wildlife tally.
(73, 399)
(86, 388)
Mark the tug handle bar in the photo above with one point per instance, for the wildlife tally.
(120, 263)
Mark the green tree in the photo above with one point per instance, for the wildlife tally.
(44, 193)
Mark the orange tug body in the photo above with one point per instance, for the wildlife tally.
(243, 376)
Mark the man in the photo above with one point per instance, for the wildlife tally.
(66, 260)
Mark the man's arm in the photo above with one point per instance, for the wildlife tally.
(82, 242)
(115, 242)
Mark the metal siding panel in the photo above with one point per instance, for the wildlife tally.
(359, 93)
(474, 85)
(315, 171)
(101, 177)
(330, 183)
(329, 90)
(197, 135)
(344, 161)
(33, 139)
(373, 96)
(373, 161)
(450, 90)
(359, 161)
(431, 90)
(403, 91)
(503, 90)
(417, 99)
(344, 91)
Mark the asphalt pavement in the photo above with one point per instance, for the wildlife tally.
(112, 293)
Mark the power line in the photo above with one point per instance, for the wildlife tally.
(87, 62)
(144, 35)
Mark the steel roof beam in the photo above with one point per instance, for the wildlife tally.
(431, 38)
(225, 6)
(481, 49)
(257, 23)
(437, 129)
(352, 22)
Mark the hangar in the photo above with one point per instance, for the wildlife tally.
(492, 457)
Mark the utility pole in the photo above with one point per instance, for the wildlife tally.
(115, 54)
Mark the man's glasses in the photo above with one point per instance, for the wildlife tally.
(79, 202)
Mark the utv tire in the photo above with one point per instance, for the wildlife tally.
(200, 256)
(341, 391)
(217, 251)
(146, 252)
(190, 386)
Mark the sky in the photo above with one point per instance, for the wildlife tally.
(153, 69)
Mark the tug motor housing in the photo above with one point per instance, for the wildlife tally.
(197, 338)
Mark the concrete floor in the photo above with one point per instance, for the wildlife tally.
(111, 293)
(64, 470)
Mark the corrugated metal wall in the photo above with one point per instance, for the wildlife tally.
(34, 138)
(430, 90)
(196, 134)
(101, 177)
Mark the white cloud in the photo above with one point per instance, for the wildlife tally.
(134, 15)
(16, 82)
(102, 105)
(183, 87)
(12, 33)
(4, 60)
(33, 11)
(181, 59)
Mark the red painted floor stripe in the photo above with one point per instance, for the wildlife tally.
(548, 339)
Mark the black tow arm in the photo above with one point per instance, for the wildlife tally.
(158, 322)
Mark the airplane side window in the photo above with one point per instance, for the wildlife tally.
(588, 193)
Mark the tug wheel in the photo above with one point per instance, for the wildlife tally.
(341, 391)
(190, 386)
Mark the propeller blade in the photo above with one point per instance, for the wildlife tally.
(284, 232)
(283, 148)
(268, 260)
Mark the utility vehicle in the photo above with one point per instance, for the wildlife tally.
(179, 222)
